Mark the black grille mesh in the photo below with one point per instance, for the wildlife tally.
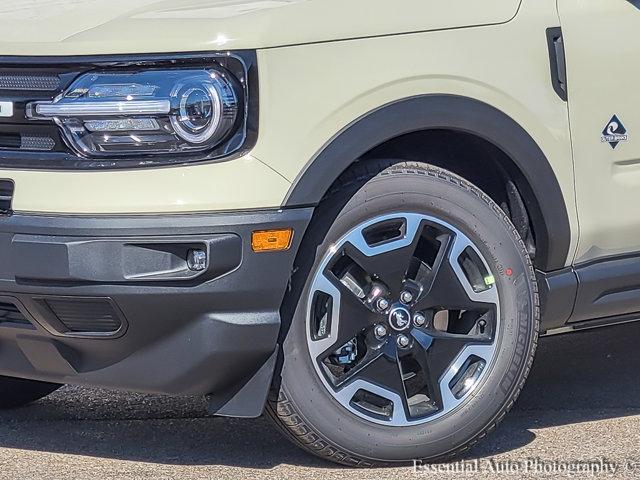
(29, 142)
(85, 315)
(38, 83)
(38, 143)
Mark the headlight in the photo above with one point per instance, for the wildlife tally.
(146, 112)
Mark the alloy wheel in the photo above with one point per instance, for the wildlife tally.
(403, 319)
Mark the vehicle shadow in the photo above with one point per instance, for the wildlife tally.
(579, 377)
(572, 382)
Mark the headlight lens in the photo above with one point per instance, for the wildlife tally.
(146, 112)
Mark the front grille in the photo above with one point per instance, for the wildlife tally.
(33, 143)
(24, 141)
(85, 315)
(37, 143)
(10, 314)
(26, 82)
(6, 196)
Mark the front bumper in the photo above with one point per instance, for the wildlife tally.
(107, 301)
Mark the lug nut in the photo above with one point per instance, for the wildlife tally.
(406, 297)
(403, 341)
(383, 304)
(419, 320)
(380, 331)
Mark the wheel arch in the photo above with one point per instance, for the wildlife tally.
(533, 175)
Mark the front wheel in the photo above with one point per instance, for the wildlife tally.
(416, 323)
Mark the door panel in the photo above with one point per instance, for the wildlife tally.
(602, 42)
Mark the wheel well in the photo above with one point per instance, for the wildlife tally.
(474, 159)
(464, 135)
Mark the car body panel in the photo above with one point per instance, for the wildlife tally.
(602, 45)
(81, 27)
(479, 64)
(244, 183)
(310, 93)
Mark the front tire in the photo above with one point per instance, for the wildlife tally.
(414, 320)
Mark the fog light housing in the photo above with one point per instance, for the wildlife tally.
(197, 260)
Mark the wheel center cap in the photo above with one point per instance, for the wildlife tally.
(399, 318)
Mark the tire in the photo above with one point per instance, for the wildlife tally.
(17, 392)
(364, 430)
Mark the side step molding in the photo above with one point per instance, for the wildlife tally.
(590, 324)
(593, 294)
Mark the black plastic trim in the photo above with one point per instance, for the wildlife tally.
(47, 318)
(25, 322)
(250, 401)
(608, 287)
(7, 187)
(143, 259)
(594, 323)
(557, 59)
(212, 334)
(558, 291)
(536, 179)
(601, 292)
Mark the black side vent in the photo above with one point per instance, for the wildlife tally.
(10, 314)
(35, 143)
(20, 82)
(6, 196)
(85, 316)
(558, 62)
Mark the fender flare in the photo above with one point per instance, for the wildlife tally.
(535, 178)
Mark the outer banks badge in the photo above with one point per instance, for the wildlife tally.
(614, 133)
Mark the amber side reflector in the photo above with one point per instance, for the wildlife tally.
(271, 240)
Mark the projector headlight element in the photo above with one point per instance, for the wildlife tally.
(145, 112)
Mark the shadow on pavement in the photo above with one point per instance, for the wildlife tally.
(576, 378)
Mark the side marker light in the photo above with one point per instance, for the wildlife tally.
(271, 240)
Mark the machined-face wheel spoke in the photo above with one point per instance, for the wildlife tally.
(371, 358)
(384, 371)
(447, 287)
(418, 354)
(383, 375)
(445, 349)
(389, 266)
(353, 317)
(385, 249)
(444, 242)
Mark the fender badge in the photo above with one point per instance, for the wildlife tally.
(614, 132)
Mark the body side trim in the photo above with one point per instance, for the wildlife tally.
(592, 294)
(558, 291)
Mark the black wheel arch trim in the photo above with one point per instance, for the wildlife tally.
(537, 181)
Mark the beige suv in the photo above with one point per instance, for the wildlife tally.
(357, 215)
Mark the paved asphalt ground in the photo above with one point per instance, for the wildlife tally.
(582, 402)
